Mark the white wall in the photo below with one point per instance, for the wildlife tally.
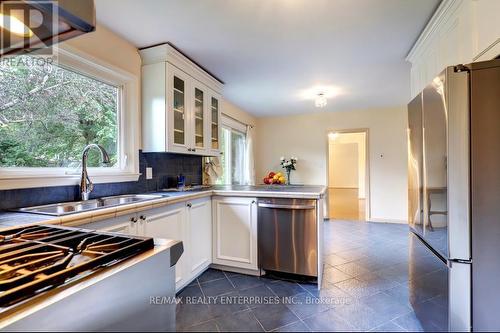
(305, 136)
(238, 113)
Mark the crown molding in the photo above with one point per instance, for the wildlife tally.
(167, 52)
(444, 11)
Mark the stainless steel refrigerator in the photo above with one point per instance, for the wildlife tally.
(454, 199)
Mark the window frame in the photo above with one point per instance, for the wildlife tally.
(128, 130)
(233, 126)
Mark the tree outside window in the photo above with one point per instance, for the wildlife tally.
(48, 114)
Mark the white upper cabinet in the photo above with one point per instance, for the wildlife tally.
(181, 104)
(178, 116)
(460, 32)
(487, 29)
(214, 131)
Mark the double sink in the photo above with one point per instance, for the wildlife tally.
(66, 208)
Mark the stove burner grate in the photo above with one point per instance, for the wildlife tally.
(35, 258)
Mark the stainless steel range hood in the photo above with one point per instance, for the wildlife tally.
(46, 23)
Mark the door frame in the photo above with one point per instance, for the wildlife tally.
(367, 166)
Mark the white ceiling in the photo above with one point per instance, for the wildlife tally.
(268, 52)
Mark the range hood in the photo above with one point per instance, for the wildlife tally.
(45, 23)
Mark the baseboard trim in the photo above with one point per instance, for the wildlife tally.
(382, 220)
(342, 188)
(236, 269)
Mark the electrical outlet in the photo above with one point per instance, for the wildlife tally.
(149, 173)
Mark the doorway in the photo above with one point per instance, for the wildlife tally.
(348, 175)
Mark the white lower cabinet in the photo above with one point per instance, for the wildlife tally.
(235, 232)
(190, 222)
(221, 231)
(169, 222)
(199, 234)
(126, 224)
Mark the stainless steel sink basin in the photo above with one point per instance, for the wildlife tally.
(66, 208)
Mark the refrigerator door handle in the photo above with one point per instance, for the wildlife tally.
(458, 261)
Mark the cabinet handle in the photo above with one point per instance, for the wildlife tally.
(134, 219)
(194, 149)
(189, 204)
(253, 202)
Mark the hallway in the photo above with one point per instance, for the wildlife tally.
(345, 204)
(348, 170)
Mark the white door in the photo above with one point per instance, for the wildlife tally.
(179, 110)
(199, 214)
(169, 222)
(235, 232)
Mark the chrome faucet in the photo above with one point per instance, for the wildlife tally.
(86, 186)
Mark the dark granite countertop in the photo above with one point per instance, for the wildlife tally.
(12, 219)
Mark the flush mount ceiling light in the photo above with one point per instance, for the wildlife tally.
(320, 94)
(320, 100)
(14, 25)
(333, 135)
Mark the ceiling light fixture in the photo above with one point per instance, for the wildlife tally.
(320, 100)
(320, 94)
(15, 25)
(333, 135)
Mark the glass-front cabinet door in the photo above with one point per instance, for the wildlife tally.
(215, 119)
(199, 118)
(178, 110)
(194, 115)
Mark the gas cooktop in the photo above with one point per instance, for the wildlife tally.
(36, 258)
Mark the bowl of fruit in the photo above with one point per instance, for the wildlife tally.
(276, 178)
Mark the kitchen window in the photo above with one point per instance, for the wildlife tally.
(233, 157)
(233, 148)
(50, 112)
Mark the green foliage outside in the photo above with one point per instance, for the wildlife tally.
(48, 114)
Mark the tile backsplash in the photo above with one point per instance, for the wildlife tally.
(166, 167)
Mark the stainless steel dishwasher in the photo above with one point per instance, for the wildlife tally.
(288, 235)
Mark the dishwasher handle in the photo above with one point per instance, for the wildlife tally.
(281, 206)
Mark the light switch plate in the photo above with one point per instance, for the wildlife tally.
(149, 173)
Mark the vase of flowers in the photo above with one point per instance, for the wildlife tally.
(288, 165)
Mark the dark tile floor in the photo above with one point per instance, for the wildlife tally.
(364, 289)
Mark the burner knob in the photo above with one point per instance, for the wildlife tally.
(143, 217)
(134, 219)
(189, 204)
